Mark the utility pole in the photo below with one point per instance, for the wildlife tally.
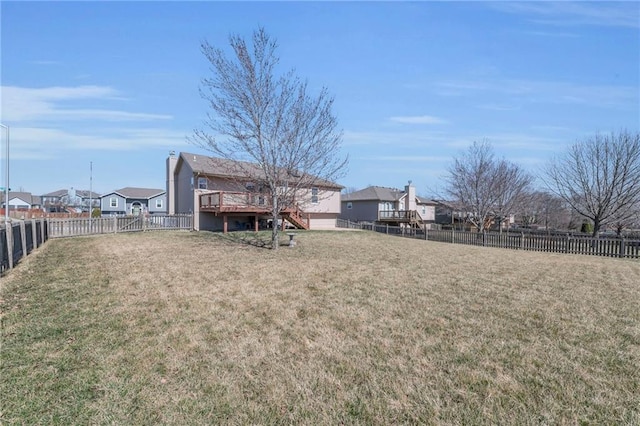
(6, 182)
(90, 196)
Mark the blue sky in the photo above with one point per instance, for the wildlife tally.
(415, 83)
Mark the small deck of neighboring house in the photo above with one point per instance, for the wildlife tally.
(388, 205)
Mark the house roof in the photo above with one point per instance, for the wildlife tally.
(422, 200)
(132, 192)
(84, 193)
(381, 193)
(58, 193)
(226, 168)
(453, 205)
(24, 196)
(375, 193)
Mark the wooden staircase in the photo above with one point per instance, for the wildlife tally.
(295, 218)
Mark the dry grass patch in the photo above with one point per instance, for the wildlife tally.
(353, 327)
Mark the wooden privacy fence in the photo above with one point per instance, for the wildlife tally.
(110, 225)
(19, 239)
(613, 247)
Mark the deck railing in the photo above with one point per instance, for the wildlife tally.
(398, 215)
(223, 199)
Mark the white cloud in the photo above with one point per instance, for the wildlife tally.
(399, 139)
(499, 107)
(20, 104)
(534, 91)
(407, 158)
(46, 143)
(572, 13)
(419, 119)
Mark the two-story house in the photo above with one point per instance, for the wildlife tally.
(20, 200)
(69, 199)
(221, 197)
(134, 201)
(388, 205)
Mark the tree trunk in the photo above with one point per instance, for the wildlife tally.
(596, 228)
(274, 227)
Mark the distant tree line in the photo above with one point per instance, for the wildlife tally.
(594, 185)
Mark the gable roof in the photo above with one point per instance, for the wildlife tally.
(24, 196)
(58, 193)
(422, 200)
(84, 193)
(374, 193)
(381, 193)
(133, 192)
(225, 168)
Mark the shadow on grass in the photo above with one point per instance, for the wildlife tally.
(255, 239)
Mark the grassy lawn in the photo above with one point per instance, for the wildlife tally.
(346, 328)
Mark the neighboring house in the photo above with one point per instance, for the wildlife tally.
(134, 201)
(64, 200)
(221, 198)
(388, 205)
(54, 202)
(451, 214)
(88, 199)
(21, 201)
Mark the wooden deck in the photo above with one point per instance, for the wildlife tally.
(399, 216)
(227, 204)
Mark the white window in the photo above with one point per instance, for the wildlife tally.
(314, 195)
(113, 202)
(202, 183)
(159, 203)
(349, 205)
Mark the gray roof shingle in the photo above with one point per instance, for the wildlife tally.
(132, 192)
(221, 167)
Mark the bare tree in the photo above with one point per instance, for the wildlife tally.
(286, 138)
(486, 188)
(600, 178)
(546, 210)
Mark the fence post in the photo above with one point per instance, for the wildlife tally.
(566, 245)
(9, 233)
(387, 229)
(621, 252)
(34, 233)
(522, 241)
(23, 239)
(115, 224)
(426, 232)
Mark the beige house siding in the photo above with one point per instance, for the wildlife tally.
(328, 201)
(322, 221)
(183, 196)
(429, 213)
